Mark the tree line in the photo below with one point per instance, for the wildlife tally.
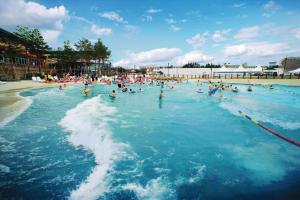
(197, 65)
(67, 56)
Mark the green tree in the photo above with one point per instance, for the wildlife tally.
(101, 52)
(86, 52)
(69, 56)
(35, 42)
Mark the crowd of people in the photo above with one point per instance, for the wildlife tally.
(123, 82)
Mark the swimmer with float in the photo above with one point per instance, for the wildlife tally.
(85, 91)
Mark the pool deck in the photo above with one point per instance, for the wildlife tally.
(10, 102)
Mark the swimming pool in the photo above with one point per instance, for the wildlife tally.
(187, 146)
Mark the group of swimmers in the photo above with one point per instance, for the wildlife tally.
(123, 82)
(214, 87)
(62, 87)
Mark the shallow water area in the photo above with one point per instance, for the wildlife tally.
(185, 146)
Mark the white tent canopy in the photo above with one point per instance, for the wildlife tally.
(240, 69)
(296, 71)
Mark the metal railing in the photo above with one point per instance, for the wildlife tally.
(233, 76)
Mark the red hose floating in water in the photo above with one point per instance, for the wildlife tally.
(270, 130)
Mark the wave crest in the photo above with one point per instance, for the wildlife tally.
(88, 124)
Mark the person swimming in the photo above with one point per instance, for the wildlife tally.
(235, 89)
(131, 91)
(60, 87)
(271, 87)
(249, 88)
(86, 91)
(124, 88)
(113, 94)
(212, 90)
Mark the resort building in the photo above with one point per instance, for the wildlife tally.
(228, 70)
(290, 63)
(16, 62)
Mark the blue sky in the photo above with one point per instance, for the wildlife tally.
(159, 32)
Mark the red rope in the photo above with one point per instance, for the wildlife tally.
(270, 130)
(278, 135)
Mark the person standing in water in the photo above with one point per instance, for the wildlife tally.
(113, 94)
(161, 95)
(249, 88)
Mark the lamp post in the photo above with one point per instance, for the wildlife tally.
(168, 70)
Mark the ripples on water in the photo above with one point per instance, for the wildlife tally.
(188, 146)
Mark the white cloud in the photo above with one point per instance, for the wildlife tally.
(297, 31)
(147, 18)
(162, 56)
(113, 16)
(170, 21)
(198, 40)
(154, 56)
(48, 20)
(235, 50)
(247, 33)
(193, 56)
(239, 5)
(81, 19)
(256, 49)
(267, 15)
(271, 8)
(243, 16)
(100, 31)
(174, 28)
(183, 20)
(219, 36)
(270, 5)
(51, 35)
(153, 11)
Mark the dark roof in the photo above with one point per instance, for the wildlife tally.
(13, 37)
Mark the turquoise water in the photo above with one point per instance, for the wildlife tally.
(187, 146)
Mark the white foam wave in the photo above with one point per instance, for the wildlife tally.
(49, 92)
(89, 128)
(154, 189)
(4, 168)
(234, 109)
(197, 173)
(265, 161)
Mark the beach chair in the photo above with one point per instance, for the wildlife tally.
(39, 79)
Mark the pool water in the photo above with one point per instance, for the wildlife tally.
(187, 146)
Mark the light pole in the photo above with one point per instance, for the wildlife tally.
(168, 70)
